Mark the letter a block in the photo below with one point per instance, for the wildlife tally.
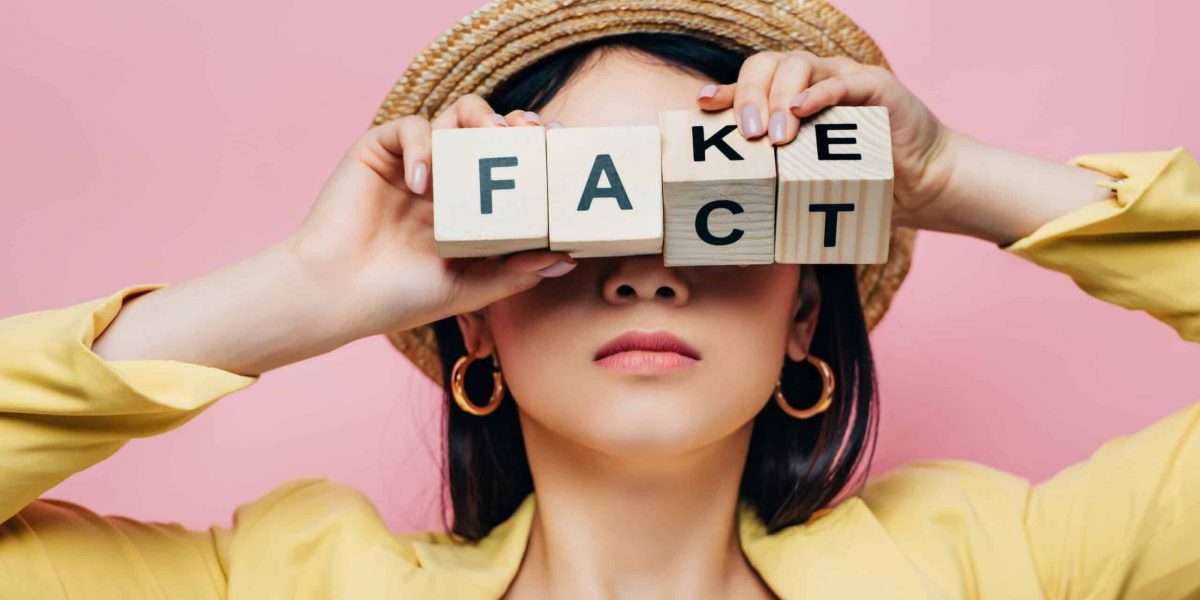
(489, 190)
(835, 188)
(605, 190)
(718, 191)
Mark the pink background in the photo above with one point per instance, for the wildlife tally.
(151, 141)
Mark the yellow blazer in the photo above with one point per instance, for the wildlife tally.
(1124, 523)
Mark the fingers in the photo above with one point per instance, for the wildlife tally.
(397, 150)
(771, 84)
(495, 277)
(794, 74)
(715, 96)
(414, 139)
(470, 110)
(855, 88)
(750, 97)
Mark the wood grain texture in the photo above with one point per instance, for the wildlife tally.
(718, 191)
(605, 190)
(489, 190)
(816, 185)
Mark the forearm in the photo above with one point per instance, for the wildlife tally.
(1001, 196)
(248, 318)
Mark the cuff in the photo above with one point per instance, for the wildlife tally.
(1130, 175)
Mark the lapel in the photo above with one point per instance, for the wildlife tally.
(842, 552)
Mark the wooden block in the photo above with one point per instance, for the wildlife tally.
(605, 190)
(489, 190)
(835, 188)
(718, 191)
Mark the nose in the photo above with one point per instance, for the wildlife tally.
(644, 277)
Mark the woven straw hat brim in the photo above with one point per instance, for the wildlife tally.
(503, 37)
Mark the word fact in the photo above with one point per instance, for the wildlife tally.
(692, 188)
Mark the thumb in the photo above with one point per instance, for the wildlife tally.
(496, 277)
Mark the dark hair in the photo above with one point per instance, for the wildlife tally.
(794, 467)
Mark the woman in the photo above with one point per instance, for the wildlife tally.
(718, 479)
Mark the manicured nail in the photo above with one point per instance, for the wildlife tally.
(498, 119)
(532, 116)
(777, 126)
(561, 267)
(798, 100)
(707, 92)
(420, 177)
(751, 122)
(554, 125)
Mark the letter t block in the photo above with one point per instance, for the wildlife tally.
(718, 191)
(489, 190)
(835, 188)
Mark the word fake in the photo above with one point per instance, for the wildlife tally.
(691, 188)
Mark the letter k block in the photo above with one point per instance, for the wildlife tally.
(718, 191)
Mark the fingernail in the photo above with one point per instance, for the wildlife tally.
(798, 100)
(561, 267)
(420, 177)
(707, 92)
(498, 119)
(777, 126)
(751, 122)
(554, 125)
(532, 116)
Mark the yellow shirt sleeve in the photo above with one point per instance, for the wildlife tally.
(1141, 248)
(63, 409)
(1126, 522)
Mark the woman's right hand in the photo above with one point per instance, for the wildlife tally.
(368, 238)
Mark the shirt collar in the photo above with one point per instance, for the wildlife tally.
(842, 552)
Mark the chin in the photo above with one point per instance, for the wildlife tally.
(644, 427)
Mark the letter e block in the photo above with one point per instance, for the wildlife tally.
(605, 190)
(489, 190)
(835, 188)
(718, 191)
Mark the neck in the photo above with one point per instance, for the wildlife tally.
(634, 527)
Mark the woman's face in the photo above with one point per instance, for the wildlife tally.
(741, 319)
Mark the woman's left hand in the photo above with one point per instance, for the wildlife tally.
(776, 89)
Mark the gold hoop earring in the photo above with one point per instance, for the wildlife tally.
(460, 392)
(827, 387)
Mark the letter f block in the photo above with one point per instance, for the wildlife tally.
(718, 191)
(835, 188)
(489, 190)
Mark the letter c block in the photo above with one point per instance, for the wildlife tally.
(718, 191)
(835, 188)
(489, 190)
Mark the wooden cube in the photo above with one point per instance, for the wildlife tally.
(605, 190)
(718, 191)
(835, 188)
(489, 190)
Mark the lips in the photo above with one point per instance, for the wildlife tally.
(653, 341)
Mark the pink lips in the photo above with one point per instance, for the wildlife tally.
(646, 351)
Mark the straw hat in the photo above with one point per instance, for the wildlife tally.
(505, 36)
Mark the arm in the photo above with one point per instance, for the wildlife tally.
(77, 383)
(63, 409)
(1124, 522)
(1123, 226)
(249, 317)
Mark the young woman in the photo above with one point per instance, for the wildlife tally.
(709, 472)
